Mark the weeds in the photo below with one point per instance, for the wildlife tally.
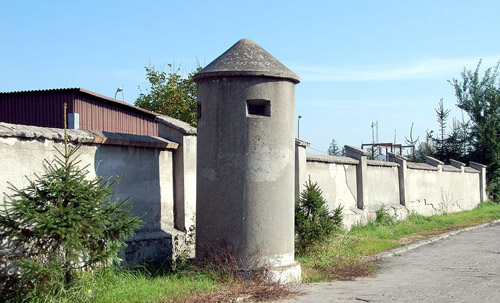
(183, 248)
(238, 284)
(383, 217)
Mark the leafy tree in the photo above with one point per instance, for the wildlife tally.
(60, 223)
(479, 97)
(171, 94)
(314, 222)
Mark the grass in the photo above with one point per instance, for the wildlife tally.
(350, 255)
(122, 285)
(344, 257)
(191, 284)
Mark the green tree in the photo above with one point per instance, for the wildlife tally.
(334, 150)
(479, 97)
(442, 117)
(60, 223)
(314, 222)
(456, 142)
(171, 94)
(425, 149)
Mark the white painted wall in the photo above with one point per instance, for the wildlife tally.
(429, 190)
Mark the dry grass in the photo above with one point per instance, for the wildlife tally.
(241, 291)
(237, 284)
(348, 269)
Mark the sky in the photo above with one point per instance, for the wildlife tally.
(360, 62)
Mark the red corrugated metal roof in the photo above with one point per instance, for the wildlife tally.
(44, 108)
(82, 90)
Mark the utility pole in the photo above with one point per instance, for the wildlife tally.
(373, 140)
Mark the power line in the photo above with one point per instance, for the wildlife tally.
(318, 150)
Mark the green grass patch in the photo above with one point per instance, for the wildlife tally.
(143, 287)
(192, 284)
(349, 255)
(343, 257)
(121, 285)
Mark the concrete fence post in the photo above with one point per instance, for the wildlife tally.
(482, 179)
(458, 164)
(184, 169)
(402, 169)
(434, 162)
(362, 157)
(300, 166)
(246, 161)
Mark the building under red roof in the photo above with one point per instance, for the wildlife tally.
(86, 110)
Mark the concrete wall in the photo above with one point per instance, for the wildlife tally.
(184, 169)
(336, 179)
(433, 190)
(362, 186)
(144, 174)
(382, 186)
(161, 181)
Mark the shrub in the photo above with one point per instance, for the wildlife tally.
(314, 222)
(383, 217)
(62, 222)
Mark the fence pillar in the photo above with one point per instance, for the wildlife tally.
(434, 162)
(458, 164)
(300, 166)
(361, 156)
(402, 169)
(184, 169)
(482, 179)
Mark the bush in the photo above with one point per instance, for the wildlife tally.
(314, 222)
(383, 217)
(59, 224)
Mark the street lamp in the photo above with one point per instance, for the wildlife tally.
(119, 89)
(298, 127)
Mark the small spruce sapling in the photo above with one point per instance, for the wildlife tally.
(62, 222)
(314, 222)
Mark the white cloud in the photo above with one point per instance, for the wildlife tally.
(428, 68)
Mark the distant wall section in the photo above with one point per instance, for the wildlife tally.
(363, 186)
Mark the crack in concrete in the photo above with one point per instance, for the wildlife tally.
(347, 183)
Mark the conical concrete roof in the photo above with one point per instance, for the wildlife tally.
(246, 58)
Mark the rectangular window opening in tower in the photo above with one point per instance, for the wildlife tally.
(258, 107)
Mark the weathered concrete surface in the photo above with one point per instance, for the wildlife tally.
(453, 193)
(462, 268)
(300, 166)
(381, 185)
(184, 169)
(145, 174)
(363, 186)
(246, 159)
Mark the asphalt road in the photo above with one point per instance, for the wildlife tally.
(461, 268)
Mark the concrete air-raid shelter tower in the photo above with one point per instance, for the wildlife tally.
(245, 162)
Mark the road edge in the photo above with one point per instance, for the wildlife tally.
(415, 245)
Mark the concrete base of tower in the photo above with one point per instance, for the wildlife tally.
(288, 274)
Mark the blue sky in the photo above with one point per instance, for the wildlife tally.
(359, 61)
